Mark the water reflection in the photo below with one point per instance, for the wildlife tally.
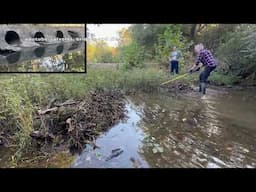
(62, 57)
(186, 131)
(193, 132)
(60, 49)
(39, 52)
(126, 136)
(13, 58)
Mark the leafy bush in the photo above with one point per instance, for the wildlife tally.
(132, 55)
(238, 54)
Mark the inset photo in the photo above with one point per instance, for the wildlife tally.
(42, 48)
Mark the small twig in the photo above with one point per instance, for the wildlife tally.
(94, 144)
(71, 127)
(40, 112)
(6, 140)
(38, 157)
(50, 103)
(68, 102)
(12, 146)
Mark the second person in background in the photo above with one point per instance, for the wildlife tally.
(174, 60)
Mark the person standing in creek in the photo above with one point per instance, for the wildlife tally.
(209, 63)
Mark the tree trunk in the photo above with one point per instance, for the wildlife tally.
(193, 31)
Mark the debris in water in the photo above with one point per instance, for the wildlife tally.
(114, 153)
(98, 155)
(136, 163)
(88, 158)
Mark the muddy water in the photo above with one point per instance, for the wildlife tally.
(181, 131)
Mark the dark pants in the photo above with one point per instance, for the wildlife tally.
(205, 74)
(174, 65)
(203, 78)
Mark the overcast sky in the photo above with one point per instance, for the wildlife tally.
(107, 32)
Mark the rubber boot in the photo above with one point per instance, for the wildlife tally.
(203, 88)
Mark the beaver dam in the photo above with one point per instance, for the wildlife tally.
(169, 127)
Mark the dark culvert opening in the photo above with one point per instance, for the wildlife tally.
(73, 34)
(59, 35)
(39, 37)
(12, 38)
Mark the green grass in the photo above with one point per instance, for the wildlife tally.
(108, 78)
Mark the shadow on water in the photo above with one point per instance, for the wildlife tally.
(60, 49)
(181, 131)
(39, 52)
(13, 58)
(71, 58)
